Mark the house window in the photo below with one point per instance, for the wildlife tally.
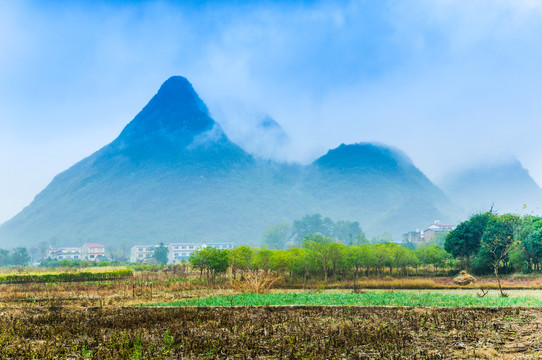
(190, 247)
(184, 254)
(91, 256)
(176, 254)
(176, 248)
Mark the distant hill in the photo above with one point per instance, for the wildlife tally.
(507, 186)
(379, 184)
(173, 175)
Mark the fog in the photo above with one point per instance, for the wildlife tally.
(449, 82)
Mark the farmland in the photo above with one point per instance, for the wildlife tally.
(370, 298)
(106, 319)
(307, 332)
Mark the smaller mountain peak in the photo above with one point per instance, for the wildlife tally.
(362, 155)
(269, 123)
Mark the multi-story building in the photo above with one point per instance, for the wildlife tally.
(141, 252)
(65, 253)
(179, 252)
(92, 251)
(220, 245)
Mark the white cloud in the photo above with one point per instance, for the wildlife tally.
(442, 80)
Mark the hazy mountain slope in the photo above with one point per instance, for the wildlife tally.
(507, 185)
(173, 175)
(379, 186)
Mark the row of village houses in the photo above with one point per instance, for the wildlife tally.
(178, 252)
(89, 252)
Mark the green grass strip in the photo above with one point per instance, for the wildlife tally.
(365, 299)
(66, 277)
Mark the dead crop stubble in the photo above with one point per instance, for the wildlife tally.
(286, 332)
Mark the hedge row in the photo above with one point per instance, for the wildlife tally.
(66, 277)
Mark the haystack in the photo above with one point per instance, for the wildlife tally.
(464, 279)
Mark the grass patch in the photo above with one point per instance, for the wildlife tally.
(72, 276)
(372, 298)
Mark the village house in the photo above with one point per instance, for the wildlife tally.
(434, 232)
(141, 252)
(437, 227)
(65, 253)
(92, 251)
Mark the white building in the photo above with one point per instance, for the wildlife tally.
(179, 252)
(141, 252)
(65, 253)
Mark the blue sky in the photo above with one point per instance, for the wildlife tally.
(451, 83)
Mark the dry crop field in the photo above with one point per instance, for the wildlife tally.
(283, 332)
(98, 320)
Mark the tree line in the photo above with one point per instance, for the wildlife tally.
(15, 257)
(491, 243)
(322, 257)
(286, 235)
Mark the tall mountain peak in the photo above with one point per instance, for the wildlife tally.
(175, 118)
(175, 112)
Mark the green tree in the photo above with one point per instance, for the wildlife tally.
(280, 260)
(347, 231)
(384, 256)
(241, 259)
(278, 236)
(433, 255)
(262, 258)
(211, 260)
(358, 257)
(533, 250)
(464, 241)
(199, 260)
(4, 257)
(320, 251)
(312, 224)
(161, 254)
(218, 261)
(497, 242)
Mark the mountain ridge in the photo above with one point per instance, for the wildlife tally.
(172, 174)
(506, 186)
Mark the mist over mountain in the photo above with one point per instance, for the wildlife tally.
(505, 185)
(173, 175)
(259, 135)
